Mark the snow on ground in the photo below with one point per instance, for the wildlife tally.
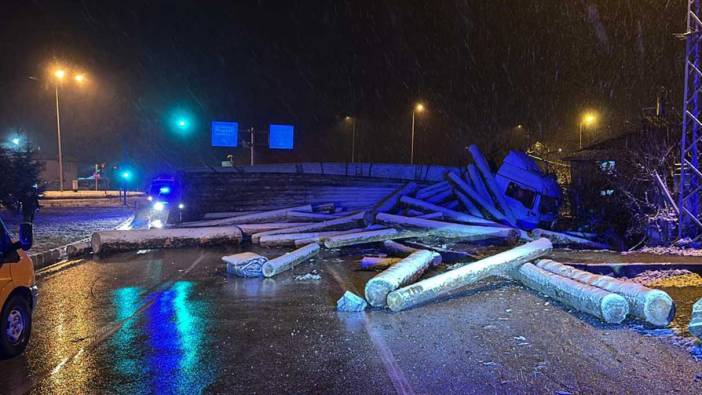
(668, 278)
(679, 251)
(54, 227)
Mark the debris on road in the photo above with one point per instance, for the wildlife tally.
(404, 272)
(376, 263)
(473, 206)
(609, 307)
(650, 305)
(350, 302)
(129, 240)
(289, 260)
(441, 285)
(246, 264)
(313, 276)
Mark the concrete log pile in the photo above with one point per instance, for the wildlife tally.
(468, 208)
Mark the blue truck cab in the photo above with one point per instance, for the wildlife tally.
(533, 197)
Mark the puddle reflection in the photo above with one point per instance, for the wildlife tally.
(173, 359)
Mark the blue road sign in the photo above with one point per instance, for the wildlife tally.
(281, 136)
(225, 134)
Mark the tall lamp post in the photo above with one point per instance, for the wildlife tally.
(60, 75)
(588, 119)
(419, 107)
(352, 121)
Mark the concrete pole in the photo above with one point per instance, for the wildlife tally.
(402, 273)
(58, 133)
(412, 144)
(443, 284)
(289, 260)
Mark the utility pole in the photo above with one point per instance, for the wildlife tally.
(58, 133)
(690, 225)
(251, 143)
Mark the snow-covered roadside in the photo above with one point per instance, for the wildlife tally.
(55, 227)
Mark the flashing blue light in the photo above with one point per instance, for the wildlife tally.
(164, 190)
(126, 175)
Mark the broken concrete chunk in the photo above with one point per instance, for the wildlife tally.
(351, 302)
(246, 264)
(313, 276)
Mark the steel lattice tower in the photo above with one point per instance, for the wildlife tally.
(690, 183)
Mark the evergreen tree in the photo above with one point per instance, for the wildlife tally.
(19, 179)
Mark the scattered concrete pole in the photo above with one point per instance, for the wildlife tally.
(389, 202)
(487, 205)
(370, 237)
(374, 262)
(143, 239)
(343, 223)
(289, 239)
(303, 216)
(321, 238)
(400, 250)
(448, 213)
(431, 189)
(490, 183)
(451, 230)
(610, 307)
(651, 305)
(266, 216)
(439, 197)
(478, 183)
(563, 239)
(442, 284)
(289, 260)
(468, 204)
(404, 272)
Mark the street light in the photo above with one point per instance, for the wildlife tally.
(352, 121)
(59, 76)
(588, 119)
(419, 107)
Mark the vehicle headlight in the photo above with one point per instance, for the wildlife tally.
(159, 206)
(157, 224)
(181, 206)
(150, 198)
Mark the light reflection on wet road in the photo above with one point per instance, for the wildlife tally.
(174, 322)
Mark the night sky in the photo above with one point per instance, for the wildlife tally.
(480, 67)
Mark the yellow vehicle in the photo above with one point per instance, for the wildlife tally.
(18, 293)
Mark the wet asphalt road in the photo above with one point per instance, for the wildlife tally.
(174, 322)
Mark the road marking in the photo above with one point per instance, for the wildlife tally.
(393, 370)
(110, 329)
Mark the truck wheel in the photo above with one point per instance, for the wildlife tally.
(15, 326)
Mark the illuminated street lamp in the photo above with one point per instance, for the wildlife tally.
(418, 108)
(588, 119)
(59, 76)
(351, 120)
